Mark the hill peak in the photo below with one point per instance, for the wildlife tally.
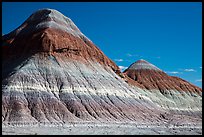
(47, 18)
(143, 64)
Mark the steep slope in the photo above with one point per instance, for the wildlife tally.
(53, 73)
(50, 31)
(171, 93)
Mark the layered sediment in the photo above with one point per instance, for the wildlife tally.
(171, 93)
(52, 72)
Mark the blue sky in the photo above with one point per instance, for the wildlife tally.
(168, 35)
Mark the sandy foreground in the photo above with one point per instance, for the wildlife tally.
(100, 129)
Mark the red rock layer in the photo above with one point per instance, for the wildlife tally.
(152, 79)
(54, 41)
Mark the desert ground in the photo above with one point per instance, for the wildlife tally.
(101, 129)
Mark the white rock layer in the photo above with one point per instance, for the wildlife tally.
(49, 18)
(142, 64)
(88, 92)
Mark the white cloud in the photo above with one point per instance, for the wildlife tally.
(172, 72)
(158, 57)
(119, 60)
(198, 80)
(189, 70)
(201, 67)
(122, 68)
(131, 55)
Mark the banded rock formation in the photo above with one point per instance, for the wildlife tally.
(171, 93)
(52, 72)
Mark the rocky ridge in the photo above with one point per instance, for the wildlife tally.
(171, 93)
(53, 73)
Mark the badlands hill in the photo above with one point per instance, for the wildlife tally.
(174, 94)
(52, 72)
